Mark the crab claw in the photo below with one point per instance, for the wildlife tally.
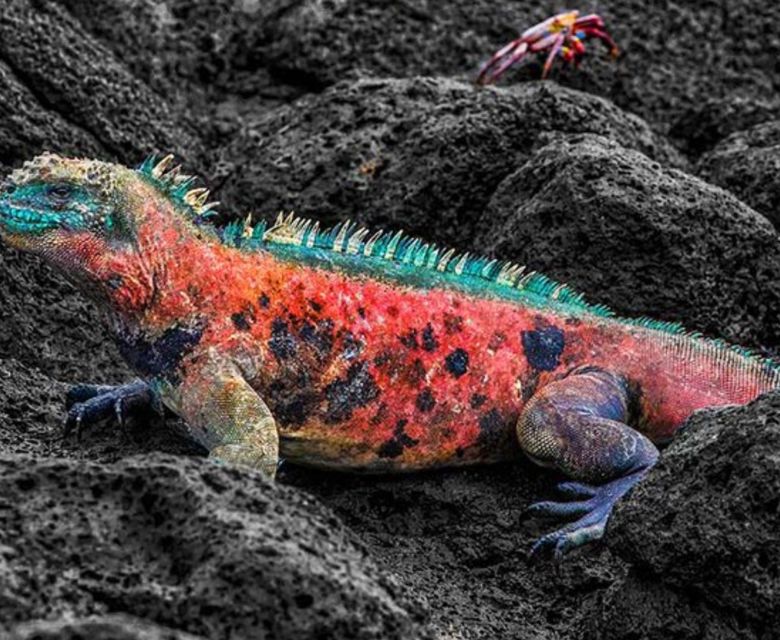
(602, 35)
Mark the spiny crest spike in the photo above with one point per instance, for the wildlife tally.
(196, 197)
(247, 231)
(147, 165)
(177, 186)
(160, 168)
(368, 249)
(347, 238)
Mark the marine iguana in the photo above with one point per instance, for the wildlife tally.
(355, 351)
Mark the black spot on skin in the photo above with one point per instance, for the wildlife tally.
(382, 359)
(264, 301)
(390, 449)
(543, 347)
(352, 346)
(316, 306)
(529, 386)
(281, 343)
(477, 400)
(573, 322)
(497, 340)
(291, 406)
(114, 281)
(634, 394)
(380, 415)
(429, 342)
(402, 436)
(361, 312)
(296, 410)
(425, 400)
(346, 395)
(395, 446)
(452, 323)
(416, 373)
(158, 357)
(491, 428)
(409, 340)
(457, 362)
(320, 336)
(240, 321)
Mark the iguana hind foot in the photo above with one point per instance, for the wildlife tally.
(578, 425)
(594, 513)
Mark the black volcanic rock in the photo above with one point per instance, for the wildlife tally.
(747, 163)
(705, 525)
(395, 152)
(105, 627)
(190, 545)
(676, 62)
(640, 237)
(48, 58)
(705, 124)
(43, 319)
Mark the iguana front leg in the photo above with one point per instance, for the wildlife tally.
(578, 426)
(228, 416)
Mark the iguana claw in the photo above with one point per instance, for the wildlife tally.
(90, 404)
(594, 511)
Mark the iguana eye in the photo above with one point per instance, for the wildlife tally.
(60, 192)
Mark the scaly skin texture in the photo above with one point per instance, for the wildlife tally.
(339, 351)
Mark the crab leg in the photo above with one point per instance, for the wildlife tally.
(603, 36)
(502, 60)
(553, 53)
(591, 20)
(573, 50)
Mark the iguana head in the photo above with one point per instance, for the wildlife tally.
(103, 225)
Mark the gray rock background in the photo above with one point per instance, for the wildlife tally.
(649, 183)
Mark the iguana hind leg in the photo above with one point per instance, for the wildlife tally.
(578, 426)
(228, 416)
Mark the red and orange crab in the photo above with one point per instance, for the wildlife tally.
(562, 35)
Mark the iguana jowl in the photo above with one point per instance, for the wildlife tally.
(345, 350)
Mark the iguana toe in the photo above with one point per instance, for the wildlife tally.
(594, 513)
(90, 404)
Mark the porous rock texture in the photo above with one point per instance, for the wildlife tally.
(748, 164)
(193, 546)
(627, 230)
(388, 152)
(365, 110)
(106, 627)
(707, 544)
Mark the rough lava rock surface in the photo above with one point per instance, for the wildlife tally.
(213, 551)
(709, 541)
(389, 152)
(364, 110)
(106, 627)
(748, 164)
(628, 231)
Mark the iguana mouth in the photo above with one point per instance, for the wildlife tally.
(16, 220)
